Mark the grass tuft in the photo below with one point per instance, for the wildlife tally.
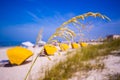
(114, 76)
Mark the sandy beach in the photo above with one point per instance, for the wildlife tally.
(8, 72)
(13, 72)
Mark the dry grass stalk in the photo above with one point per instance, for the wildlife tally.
(67, 33)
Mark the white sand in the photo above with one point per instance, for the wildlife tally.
(19, 72)
(112, 65)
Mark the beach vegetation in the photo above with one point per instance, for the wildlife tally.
(65, 69)
(114, 76)
(64, 32)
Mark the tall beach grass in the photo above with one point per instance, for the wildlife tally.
(74, 63)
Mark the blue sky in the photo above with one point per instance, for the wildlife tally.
(21, 20)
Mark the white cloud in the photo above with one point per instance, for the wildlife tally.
(113, 24)
(35, 17)
(49, 24)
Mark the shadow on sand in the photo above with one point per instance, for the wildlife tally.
(6, 63)
(116, 53)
